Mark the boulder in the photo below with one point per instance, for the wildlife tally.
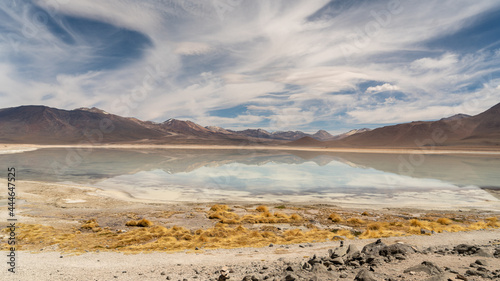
(365, 275)
(373, 248)
(427, 267)
(395, 249)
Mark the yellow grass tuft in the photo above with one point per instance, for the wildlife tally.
(444, 221)
(219, 208)
(91, 225)
(335, 217)
(141, 223)
(262, 209)
(355, 221)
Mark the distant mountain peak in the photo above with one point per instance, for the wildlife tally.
(455, 117)
(93, 109)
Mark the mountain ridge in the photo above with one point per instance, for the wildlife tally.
(38, 124)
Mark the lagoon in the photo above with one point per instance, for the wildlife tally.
(432, 181)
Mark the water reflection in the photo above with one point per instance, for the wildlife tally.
(190, 175)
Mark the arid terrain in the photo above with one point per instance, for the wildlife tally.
(66, 230)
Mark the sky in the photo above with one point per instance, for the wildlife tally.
(278, 65)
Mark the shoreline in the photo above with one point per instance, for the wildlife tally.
(416, 150)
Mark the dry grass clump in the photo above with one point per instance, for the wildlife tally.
(365, 213)
(262, 209)
(262, 217)
(444, 221)
(335, 217)
(91, 225)
(141, 223)
(220, 208)
(355, 221)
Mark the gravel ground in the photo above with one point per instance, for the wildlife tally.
(259, 262)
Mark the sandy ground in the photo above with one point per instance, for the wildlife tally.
(65, 206)
(179, 266)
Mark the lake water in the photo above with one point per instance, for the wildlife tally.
(436, 181)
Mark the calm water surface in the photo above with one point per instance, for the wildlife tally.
(439, 181)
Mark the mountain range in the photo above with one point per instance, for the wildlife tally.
(44, 125)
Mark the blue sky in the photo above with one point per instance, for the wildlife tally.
(277, 65)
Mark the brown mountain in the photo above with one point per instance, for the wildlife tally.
(45, 125)
(459, 130)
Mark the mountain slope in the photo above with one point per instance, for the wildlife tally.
(463, 130)
(45, 125)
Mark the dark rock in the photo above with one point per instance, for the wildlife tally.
(306, 266)
(373, 248)
(365, 275)
(250, 278)
(465, 249)
(397, 248)
(461, 277)
(482, 262)
(425, 231)
(427, 267)
(291, 277)
(289, 268)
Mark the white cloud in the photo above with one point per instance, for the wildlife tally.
(382, 88)
(256, 49)
(192, 48)
(446, 61)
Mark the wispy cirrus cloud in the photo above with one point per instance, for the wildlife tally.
(273, 64)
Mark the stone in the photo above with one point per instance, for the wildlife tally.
(373, 248)
(337, 252)
(481, 262)
(365, 275)
(291, 277)
(465, 249)
(352, 253)
(338, 261)
(427, 267)
(395, 249)
(484, 253)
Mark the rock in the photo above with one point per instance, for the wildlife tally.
(337, 261)
(373, 248)
(395, 249)
(427, 267)
(352, 253)
(319, 268)
(465, 249)
(306, 266)
(484, 253)
(481, 262)
(291, 277)
(289, 268)
(337, 252)
(441, 277)
(365, 275)
(271, 245)
(425, 231)
(250, 278)
(461, 277)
